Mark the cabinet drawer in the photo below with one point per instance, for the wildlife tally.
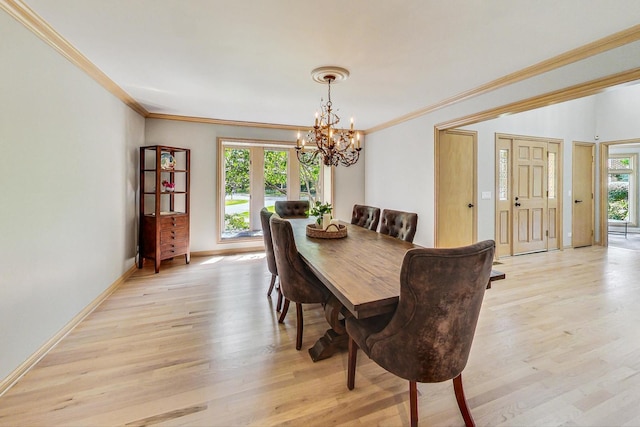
(173, 235)
(173, 249)
(173, 221)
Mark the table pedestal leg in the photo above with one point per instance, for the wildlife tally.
(335, 338)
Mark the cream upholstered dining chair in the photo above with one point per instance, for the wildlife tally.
(366, 216)
(428, 337)
(399, 224)
(297, 281)
(265, 215)
(292, 208)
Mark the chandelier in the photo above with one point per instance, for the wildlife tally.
(336, 146)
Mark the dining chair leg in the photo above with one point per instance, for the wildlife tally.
(462, 402)
(279, 303)
(285, 308)
(273, 282)
(351, 368)
(413, 403)
(299, 327)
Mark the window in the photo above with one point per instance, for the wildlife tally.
(551, 175)
(621, 187)
(255, 174)
(503, 174)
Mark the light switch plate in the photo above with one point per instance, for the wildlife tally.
(486, 195)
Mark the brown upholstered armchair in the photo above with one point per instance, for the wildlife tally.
(297, 281)
(399, 224)
(292, 208)
(428, 337)
(265, 215)
(366, 216)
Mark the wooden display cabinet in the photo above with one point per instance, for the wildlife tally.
(164, 204)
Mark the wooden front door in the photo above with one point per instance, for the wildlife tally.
(529, 196)
(456, 188)
(582, 192)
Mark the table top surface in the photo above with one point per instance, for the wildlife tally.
(362, 270)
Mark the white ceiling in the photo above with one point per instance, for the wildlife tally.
(250, 60)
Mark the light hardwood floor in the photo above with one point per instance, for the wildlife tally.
(558, 343)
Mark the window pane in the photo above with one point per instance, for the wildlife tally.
(503, 186)
(275, 177)
(310, 185)
(236, 187)
(618, 196)
(619, 163)
(552, 175)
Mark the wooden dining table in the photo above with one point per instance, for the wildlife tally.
(362, 272)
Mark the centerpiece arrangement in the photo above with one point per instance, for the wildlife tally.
(325, 227)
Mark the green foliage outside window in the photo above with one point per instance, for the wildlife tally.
(235, 222)
(236, 169)
(618, 200)
(310, 182)
(275, 172)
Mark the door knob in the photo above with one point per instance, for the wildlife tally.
(518, 204)
(470, 205)
(577, 201)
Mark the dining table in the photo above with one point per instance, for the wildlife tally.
(362, 273)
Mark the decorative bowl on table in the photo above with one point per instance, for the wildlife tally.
(333, 231)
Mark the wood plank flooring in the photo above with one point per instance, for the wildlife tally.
(558, 344)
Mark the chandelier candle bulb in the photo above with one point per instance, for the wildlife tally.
(351, 123)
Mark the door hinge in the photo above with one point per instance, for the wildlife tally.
(547, 233)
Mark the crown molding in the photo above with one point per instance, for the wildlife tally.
(567, 94)
(613, 41)
(223, 122)
(23, 14)
(27, 17)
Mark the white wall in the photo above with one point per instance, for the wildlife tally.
(569, 121)
(400, 160)
(399, 173)
(201, 138)
(68, 205)
(618, 114)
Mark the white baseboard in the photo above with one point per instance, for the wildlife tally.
(25, 366)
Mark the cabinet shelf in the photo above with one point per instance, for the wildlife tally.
(153, 214)
(165, 170)
(164, 221)
(153, 193)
